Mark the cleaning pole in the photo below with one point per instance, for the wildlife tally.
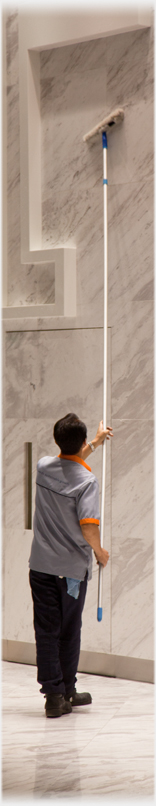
(105, 284)
(114, 118)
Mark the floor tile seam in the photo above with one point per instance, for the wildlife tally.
(100, 735)
(76, 761)
(108, 720)
(120, 715)
(137, 714)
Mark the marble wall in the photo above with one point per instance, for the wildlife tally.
(49, 372)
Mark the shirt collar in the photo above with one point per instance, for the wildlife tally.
(74, 458)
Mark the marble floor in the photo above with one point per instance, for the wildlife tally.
(98, 753)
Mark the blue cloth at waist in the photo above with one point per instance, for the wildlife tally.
(73, 587)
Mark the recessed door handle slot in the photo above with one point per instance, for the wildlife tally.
(28, 485)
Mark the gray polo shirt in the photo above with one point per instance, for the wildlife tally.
(67, 495)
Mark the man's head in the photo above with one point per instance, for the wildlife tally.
(70, 433)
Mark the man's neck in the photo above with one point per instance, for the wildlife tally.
(79, 453)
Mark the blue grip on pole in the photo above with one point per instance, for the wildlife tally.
(104, 139)
(99, 614)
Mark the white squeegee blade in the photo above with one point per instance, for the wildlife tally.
(114, 118)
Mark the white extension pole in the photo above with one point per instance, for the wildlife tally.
(105, 183)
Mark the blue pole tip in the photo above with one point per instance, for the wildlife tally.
(99, 614)
(104, 139)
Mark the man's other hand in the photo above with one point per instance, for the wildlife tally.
(104, 557)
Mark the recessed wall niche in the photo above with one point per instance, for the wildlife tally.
(35, 286)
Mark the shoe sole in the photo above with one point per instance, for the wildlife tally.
(54, 713)
(55, 716)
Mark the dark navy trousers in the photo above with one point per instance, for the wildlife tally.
(57, 625)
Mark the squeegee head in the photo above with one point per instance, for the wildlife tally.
(114, 118)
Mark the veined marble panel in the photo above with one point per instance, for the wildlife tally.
(132, 360)
(69, 103)
(133, 482)
(46, 445)
(132, 596)
(130, 244)
(45, 274)
(70, 372)
(132, 539)
(34, 286)
(74, 58)
(17, 433)
(13, 192)
(78, 208)
(48, 371)
(13, 134)
(131, 145)
(129, 57)
(90, 271)
(130, 251)
(18, 622)
(12, 48)
(150, 60)
(13, 168)
(22, 289)
(22, 375)
(27, 284)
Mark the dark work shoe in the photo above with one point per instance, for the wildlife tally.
(56, 705)
(79, 699)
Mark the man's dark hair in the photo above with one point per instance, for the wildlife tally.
(70, 433)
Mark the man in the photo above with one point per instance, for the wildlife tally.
(66, 529)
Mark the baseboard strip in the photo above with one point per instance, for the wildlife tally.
(90, 662)
(117, 666)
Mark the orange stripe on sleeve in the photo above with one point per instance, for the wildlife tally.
(89, 520)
